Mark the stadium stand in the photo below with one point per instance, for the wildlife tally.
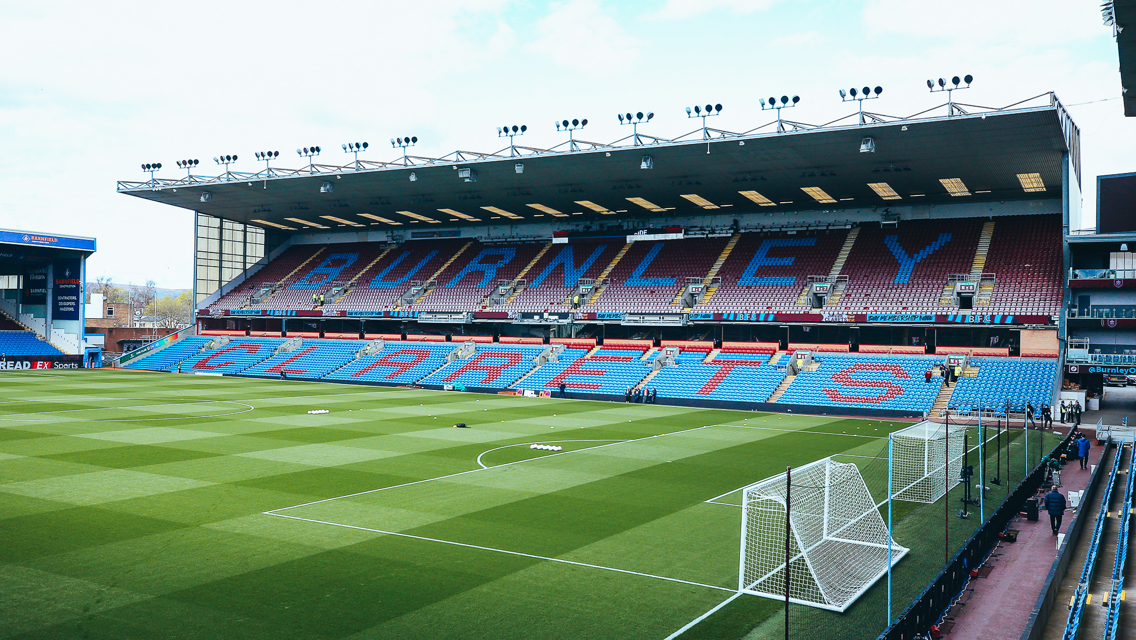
(8, 324)
(397, 363)
(25, 343)
(166, 359)
(768, 271)
(998, 382)
(492, 365)
(742, 377)
(269, 276)
(314, 359)
(552, 279)
(649, 275)
(465, 283)
(601, 371)
(905, 269)
(384, 281)
(234, 357)
(1025, 258)
(850, 380)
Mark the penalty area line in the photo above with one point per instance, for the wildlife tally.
(504, 551)
(703, 616)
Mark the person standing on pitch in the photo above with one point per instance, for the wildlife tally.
(1046, 417)
(563, 387)
(1055, 505)
(1083, 446)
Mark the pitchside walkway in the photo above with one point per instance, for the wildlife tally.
(1000, 604)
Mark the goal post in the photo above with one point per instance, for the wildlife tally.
(920, 453)
(838, 542)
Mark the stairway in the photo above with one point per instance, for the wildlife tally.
(943, 399)
(712, 288)
(279, 286)
(607, 271)
(980, 254)
(776, 395)
(350, 284)
(776, 357)
(644, 381)
(522, 378)
(649, 354)
(441, 269)
(532, 263)
(710, 356)
(592, 351)
(842, 257)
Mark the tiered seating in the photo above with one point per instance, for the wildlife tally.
(866, 382)
(398, 363)
(167, 358)
(651, 274)
(904, 270)
(314, 359)
(607, 371)
(234, 357)
(492, 365)
(553, 278)
(742, 377)
(269, 275)
(1001, 381)
(464, 285)
(1025, 258)
(335, 266)
(26, 343)
(380, 286)
(768, 271)
(8, 324)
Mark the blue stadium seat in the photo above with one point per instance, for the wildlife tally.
(26, 343)
(865, 382)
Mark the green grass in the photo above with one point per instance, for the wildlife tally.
(133, 505)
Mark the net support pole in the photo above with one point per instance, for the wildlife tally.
(788, 535)
(947, 491)
(1025, 427)
(891, 535)
(981, 470)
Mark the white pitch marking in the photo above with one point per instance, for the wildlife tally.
(505, 551)
(703, 616)
(462, 473)
(521, 444)
(248, 408)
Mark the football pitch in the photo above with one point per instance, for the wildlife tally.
(139, 505)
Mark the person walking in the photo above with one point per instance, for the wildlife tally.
(1046, 417)
(1083, 446)
(1029, 414)
(1055, 505)
(946, 376)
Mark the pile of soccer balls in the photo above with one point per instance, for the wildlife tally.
(546, 447)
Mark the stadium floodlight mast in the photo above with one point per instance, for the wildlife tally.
(151, 168)
(267, 157)
(355, 148)
(309, 153)
(635, 121)
(570, 127)
(784, 104)
(704, 112)
(860, 95)
(512, 132)
(188, 165)
(403, 143)
(225, 161)
(952, 109)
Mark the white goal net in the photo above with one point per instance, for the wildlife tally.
(838, 542)
(918, 456)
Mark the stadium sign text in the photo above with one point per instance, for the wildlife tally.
(1105, 369)
(901, 317)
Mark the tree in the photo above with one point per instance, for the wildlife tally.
(171, 312)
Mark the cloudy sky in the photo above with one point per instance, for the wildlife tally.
(91, 90)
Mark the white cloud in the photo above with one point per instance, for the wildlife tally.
(686, 9)
(584, 36)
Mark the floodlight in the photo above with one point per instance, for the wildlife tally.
(762, 100)
(796, 99)
(688, 111)
(620, 116)
(942, 83)
(930, 85)
(879, 90)
(955, 81)
(843, 95)
(852, 92)
(784, 99)
(968, 79)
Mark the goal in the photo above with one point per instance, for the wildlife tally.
(918, 455)
(838, 542)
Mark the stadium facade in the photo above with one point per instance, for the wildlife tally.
(839, 263)
(42, 285)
